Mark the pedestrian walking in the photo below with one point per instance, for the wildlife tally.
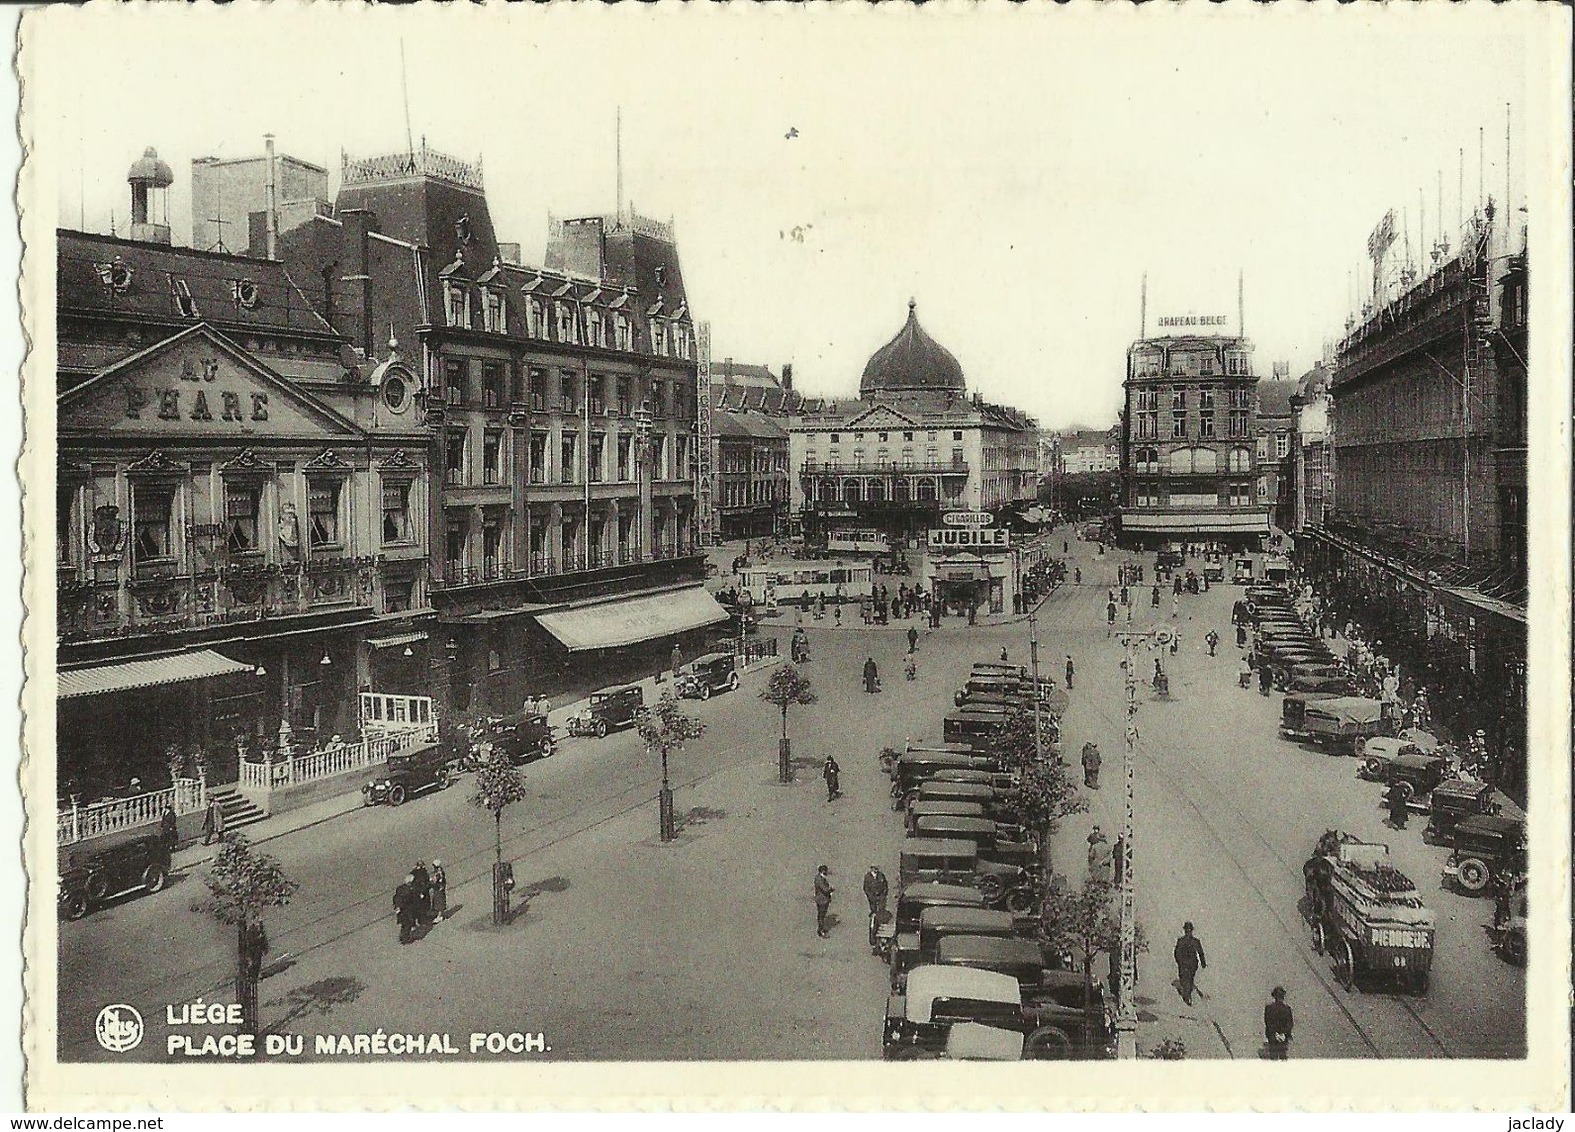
(1003, 654)
(421, 892)
(1241, 636)
(876, 890)
(1245, 675)
(1126, 596)
(837, 616)
(871, 676)
(1110, 618)
(1154, 598)
(167, 834)
(1069, 671)
(910, 670)
(213, 822)
(677, 659)
(1212, 639)
(823, 891)
(1277, 1022)
(405, 907)
(1189, 958)
(1175, 607)
(1265, 680)
(832, 773)
(1396, 799)
(1091, 761)
(1098, 855)
(913, 640)
(439, 904)
(1175, 644)
(1077, 575)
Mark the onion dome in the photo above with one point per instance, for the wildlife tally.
(149, 169)
(912, 361)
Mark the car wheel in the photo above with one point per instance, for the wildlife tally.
(1407, 791)
(444, 779)
(545, 746)
(1048, 1043)
(74, 906)
(1320, 939)
(153, 878)
(732, 682)
(1373, 769)
(601, 729)
(97, 887)
(705, 691)
(1473, 874)
(396, 796)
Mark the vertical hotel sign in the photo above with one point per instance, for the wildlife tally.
(704, 457)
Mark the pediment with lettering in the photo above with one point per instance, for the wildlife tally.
(197, 384)
(881, 417)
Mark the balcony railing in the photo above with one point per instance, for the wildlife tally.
(80, 823)
(258, 780)
(884, 467)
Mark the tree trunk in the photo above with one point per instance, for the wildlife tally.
(784, 721)
(497, 826)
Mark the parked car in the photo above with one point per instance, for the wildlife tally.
(920, 808)
(1342, 722)
(522, 737)
(1378, 751)
(713, 672)
(88, 879)
(614, 708)
(1007, 845)
(976, 726)
(1453, 800)
(1415, 776)
(919, 1021)
(917, 945)
(1169, 560)
(407, 775)
(1488, 847)
(918, 766)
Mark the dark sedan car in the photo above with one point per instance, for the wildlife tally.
(89, 879)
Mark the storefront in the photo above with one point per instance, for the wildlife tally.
(971, 569)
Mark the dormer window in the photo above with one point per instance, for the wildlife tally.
(495, 312)
(184, 303)
(682, 341)
(456, 305)
(564, 313)
(658, 336)
(535, 318)
(624, 332)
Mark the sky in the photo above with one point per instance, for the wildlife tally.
(1015, 171)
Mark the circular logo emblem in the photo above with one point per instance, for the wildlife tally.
(118, 1028)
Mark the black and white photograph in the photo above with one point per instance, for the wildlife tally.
(798, 534)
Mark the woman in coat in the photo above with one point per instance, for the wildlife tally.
(871, 676)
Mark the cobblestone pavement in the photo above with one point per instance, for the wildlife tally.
(705, 948)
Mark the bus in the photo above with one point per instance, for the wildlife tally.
(771, 583)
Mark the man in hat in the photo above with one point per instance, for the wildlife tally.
(876, 889)
(421, 892)
(832, 773)
(1277, 1021)
(823, 891)
(1091, 761)
(1069, 671)
(405, 907)
(1189, 957)
(213, 822)
(439, 906)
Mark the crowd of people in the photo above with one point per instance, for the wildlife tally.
(421, 900)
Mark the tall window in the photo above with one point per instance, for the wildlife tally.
(454, 457)
(1178, 424)
(322, 498)
(492, 458)
(658, 336)
(492, 546)
(593, 327)
(1282, 445)
(241, 503)
(396, 512)
(1241, 459)
(626, 458)
(538, 388)
(598, 386)
(566, 322)
(535, 318)
(153, 505)
(594, 459)
(492, 385)
(456, 304)
(625, 398)
(495, 312)
(456, 376)
(624, 332)
(538, 457)
(566, 400)
(568, 462)
(454, 547)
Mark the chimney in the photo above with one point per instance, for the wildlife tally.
(273, 199)
(787, 377)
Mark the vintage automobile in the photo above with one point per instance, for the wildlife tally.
(1213, 568)
(937, 860)
(917, 945)
(919, 808)
(994, 801)
(1453, 800)
(1242, 572)
(991, 685)
(407, 775)
(1488, 847)
(974, 725)
(1327, 685)
(1378, 751)
(937, 998)
(1010, 954)
(91, 878)
(1416, 775)
(912, 899)
(996, 841)
(1293, 711)
(1367, 914)
(522, 737)
(616, 707)
(1340, 723)
(918, 766)
(713, 672)
(974, 1041)
(1169, 560)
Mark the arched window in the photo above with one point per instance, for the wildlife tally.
(899, 491)
(1204, 460)
(850, 491)
(926, 489)
(1240, 459)
(876, 491)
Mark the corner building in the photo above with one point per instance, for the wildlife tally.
(1188, 467)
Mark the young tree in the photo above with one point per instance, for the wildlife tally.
(1045, 793)
(1083, 922)
(787, 687)
(499, 784)
(242, 884)
(664, 729)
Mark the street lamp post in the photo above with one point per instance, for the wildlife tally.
(1126, 1015)
(642, 432)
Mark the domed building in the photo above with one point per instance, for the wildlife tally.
(874, 474)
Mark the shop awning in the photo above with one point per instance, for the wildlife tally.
(127, 675)
(397, 640)
(1203, 523)
(615, 624)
